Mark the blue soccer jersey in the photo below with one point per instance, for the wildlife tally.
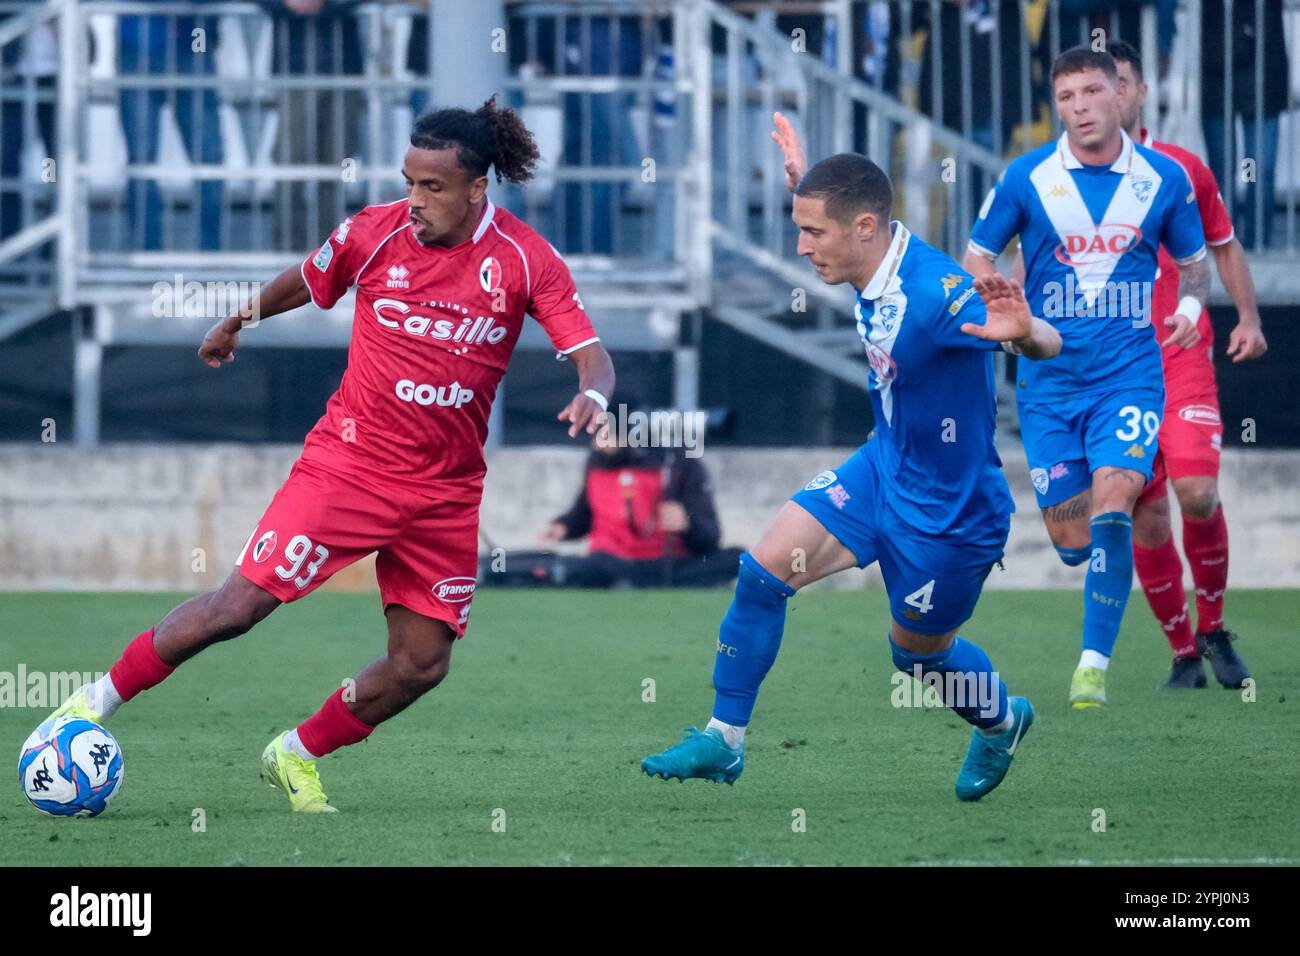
(933, 394)
(1090, 236)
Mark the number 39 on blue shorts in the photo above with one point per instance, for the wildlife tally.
(1067, 440)
(933, 582)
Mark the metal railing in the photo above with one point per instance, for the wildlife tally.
(280, 129)
(658, 180)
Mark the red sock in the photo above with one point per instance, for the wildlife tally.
(1161, 572)
(1206, 544)
(332, 727)
(139, 667)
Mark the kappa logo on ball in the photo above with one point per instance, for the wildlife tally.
(264, 548)
(1200, 415)
(824, 480)
(454, 590)
(489, 275)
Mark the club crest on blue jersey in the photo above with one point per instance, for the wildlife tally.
(888, 313)
(1040, 480)
(1142, 188)
(824, 480)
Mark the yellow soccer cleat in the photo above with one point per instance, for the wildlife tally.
(1088, 688)
(76, 707)
(296, 777)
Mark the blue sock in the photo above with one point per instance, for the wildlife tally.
(748, 641)
(1109, 581)
(975, 692)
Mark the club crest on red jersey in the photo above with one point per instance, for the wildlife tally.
(489, 275)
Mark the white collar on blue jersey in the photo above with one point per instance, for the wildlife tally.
(1122, 165)
(888, 267)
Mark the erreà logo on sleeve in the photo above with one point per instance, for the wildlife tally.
(74, 908)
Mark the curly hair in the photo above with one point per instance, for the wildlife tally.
(490, 136)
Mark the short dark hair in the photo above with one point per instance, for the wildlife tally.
(1081, 58)
(849, 184)
(1121, 51)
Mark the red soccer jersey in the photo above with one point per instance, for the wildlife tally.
(1218, 230)
(432, 335)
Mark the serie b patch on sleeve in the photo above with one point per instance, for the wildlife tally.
(324, 257)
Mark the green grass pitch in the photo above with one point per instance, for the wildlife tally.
(543, 717)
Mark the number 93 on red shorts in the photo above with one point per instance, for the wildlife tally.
(320, 521)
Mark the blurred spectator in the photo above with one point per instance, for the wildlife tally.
(1119, 18)
(650, 515)
(34, 63)
(978, 21)
(1258, 106)
(158, 45)
(318, 126)
(598, 126)
(993, 115)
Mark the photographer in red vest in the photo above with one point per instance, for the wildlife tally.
(651, 519)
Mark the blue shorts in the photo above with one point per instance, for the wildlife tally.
(933, 583)
(1067, 441)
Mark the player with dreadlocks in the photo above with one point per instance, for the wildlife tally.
(443, 280)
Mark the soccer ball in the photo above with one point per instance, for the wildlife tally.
(73, 770)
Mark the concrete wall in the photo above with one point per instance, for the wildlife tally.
(169, 517)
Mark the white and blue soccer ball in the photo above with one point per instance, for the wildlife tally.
(71, 770)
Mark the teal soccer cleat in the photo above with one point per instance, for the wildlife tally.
(704, 755)
(989, 758)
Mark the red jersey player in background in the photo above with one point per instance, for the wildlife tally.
(1192, 433)
(395, 465)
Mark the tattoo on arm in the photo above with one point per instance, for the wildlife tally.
(1194, 280)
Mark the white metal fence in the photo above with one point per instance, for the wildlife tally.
(222, 140)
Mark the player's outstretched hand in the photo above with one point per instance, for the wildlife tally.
(584, 414)
(1246, 342)
(219, 345)
(796, 163)
(1009, 318)
(1182, 331)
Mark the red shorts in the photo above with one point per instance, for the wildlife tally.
(321, 521)
(1191, 435)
